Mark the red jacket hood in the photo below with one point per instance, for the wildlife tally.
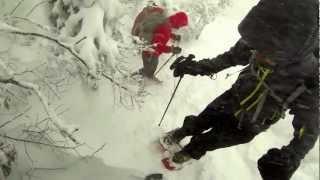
(178, 20)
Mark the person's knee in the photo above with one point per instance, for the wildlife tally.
(189, 124)
(189, 120)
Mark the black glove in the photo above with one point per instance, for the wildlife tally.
(277, 165)
(176, 50)
(184, 65)
(176, 37)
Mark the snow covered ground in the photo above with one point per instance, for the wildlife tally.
(129, 134)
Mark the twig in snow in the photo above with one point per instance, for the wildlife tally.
(37, 5)
(114, 82)
(65, 167)
(40, 143)
(48, 84)
(15, 118)
(80, 40)
(27, 153)
(31, 22)
(48, 169)
(16, 7)
(99, 149)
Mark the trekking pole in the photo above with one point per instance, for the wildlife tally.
(164, 64)
(173, 66)
(174, 92)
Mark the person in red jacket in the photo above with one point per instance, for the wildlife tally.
(154, 27)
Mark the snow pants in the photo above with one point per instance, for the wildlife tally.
(214, 128)
(150, 63)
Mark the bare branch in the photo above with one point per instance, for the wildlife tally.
(65, 167)
(48, 169)
(35, 6)
(48, 84)
(31, 22)
(16, 7)
(99, 149)
(114, 82)
(16, 117)
(50, 112)
(40, 143)
(27, 153)
(69, 49)
(80, 40)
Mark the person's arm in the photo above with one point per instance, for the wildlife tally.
(239, 54)
(305, 124)
(159, 42)
(160, 38)
(282, 163)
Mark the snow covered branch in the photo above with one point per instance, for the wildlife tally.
(65, 130)
(68, 48)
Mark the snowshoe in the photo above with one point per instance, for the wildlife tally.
(170, 143)
(175, 162)
(173, 158)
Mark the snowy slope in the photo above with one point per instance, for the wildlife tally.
(129, 134)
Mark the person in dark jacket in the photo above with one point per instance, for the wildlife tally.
(153, 26)
(279, 41)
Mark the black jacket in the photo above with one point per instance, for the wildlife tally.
(288, 31)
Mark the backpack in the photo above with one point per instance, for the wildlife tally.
(146, 22)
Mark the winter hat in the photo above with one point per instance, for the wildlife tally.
(178, 20)
(286, 28)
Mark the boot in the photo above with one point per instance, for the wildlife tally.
(176, 162)
(172, 139)
(155, 79)
(181, 157)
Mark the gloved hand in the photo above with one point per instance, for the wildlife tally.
(186, 67)
(277, 165)
(176, 50)
(176, 37)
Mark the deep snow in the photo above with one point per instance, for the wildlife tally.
(129, 134)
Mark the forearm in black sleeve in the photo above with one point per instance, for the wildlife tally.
(306, 126)
(237, 55)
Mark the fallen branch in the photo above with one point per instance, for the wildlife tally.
(65, 167)
(99, 149)
(37, 5)
(15, 118)
(40, 143)
(114, 82)
(31, 22)
(16, 7)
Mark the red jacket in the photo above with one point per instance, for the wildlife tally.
(163, 32)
